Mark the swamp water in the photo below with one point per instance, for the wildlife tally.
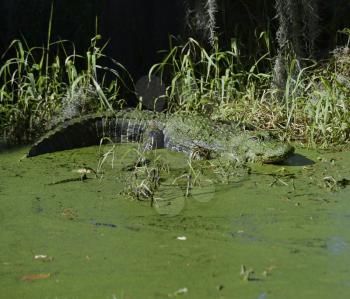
(280, 232)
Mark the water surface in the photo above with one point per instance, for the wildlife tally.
(65, 238)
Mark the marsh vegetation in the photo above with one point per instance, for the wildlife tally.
(117, 221)
(43, 86)
(314, 107)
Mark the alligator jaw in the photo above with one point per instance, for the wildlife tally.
(280, 157)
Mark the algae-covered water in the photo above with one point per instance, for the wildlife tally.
(277, 231)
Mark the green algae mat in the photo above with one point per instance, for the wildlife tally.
(275, 231)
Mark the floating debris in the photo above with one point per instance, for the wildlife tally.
(34, 277)
(246, 274)
(181, 291)
(40, 256)
(43, 258)
(85, 170)
(333, 184)
(93, 222)
(182, 238)
(69, 213)
(268, 270)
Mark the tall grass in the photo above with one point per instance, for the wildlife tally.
(41, 86)
(314, 106)
(201, 80)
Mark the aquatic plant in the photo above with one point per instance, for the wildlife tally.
(145, 175)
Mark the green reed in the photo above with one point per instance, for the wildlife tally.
(313, 107)
(41, 86)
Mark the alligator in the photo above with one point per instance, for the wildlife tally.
(195, 135)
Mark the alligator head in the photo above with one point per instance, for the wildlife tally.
(259, 147)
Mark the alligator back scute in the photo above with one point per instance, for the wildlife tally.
(89, 130)
(68, 136)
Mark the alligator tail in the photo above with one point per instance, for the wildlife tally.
(88, 130)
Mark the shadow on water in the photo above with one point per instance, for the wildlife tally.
(5, 148)
(297, 160)
(3, 145)
(9, 148)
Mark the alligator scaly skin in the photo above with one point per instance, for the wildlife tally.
(122, 127)
(182, 133)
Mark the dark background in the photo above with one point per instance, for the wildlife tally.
(137, 29)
